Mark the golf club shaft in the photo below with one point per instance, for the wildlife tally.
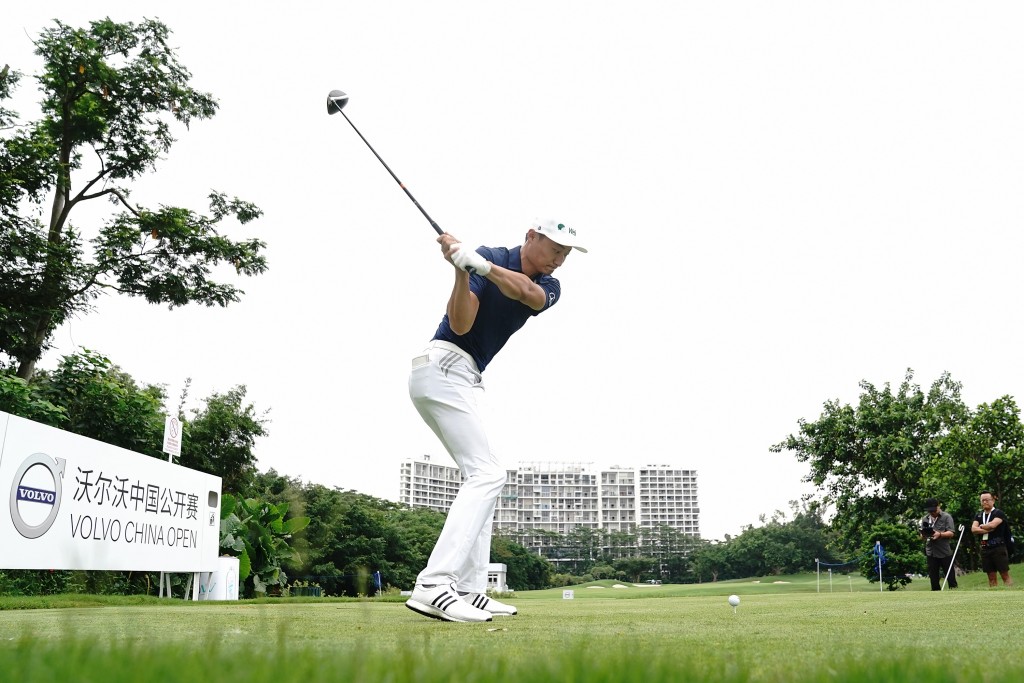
(952, 560)
(434, 225)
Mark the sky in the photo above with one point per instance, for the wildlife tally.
(780, 200)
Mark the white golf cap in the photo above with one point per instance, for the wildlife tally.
(560, 233)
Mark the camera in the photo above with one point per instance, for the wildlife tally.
(926, 529)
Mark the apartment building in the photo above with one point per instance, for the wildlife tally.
(667, 496)
(554, 498)
(542, 500)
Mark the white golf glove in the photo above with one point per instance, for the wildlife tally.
(467, 259)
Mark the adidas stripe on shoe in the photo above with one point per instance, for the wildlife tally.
(443, 602)
(481, 601)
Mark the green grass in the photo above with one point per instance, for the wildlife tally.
(780, 632)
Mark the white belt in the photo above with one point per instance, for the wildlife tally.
(447, 346)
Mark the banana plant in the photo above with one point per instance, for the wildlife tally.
(257, 533)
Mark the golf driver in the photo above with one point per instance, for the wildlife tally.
(336, 101)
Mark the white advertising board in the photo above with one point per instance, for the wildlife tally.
(70, 502)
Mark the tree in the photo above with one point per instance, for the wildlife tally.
(111, 90)
(18, 397)
(621, 544)
(871, 460)
(779, 546)
(985, 453)
(351, 536)
(671, 548)
(323, 507)
(525, 570)
(901, 554)
(416, 531)
(584, 547)
(635, 568)
(103, 402)
(220, 437)
(277, 488)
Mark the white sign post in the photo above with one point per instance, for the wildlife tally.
(172, 447)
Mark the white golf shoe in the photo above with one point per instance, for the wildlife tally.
(443, 602)
(481, 601)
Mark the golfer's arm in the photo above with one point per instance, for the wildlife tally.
(518, 287)
(462, 304)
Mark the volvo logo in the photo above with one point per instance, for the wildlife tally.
(35, 494)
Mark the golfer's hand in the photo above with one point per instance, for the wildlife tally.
(467, 259)
(447, 242)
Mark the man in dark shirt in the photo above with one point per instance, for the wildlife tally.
(937, 529)
(989, 528)
(496, 291)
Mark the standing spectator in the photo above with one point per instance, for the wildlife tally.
(937, 530)
(989, 527)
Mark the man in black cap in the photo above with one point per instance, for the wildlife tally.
(937, 529)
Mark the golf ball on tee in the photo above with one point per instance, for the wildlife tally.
(734, 600)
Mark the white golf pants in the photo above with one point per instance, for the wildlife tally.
(449, 394)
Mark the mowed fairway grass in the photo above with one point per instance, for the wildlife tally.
(783, 630)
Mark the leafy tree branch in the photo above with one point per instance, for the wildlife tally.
(112, 89)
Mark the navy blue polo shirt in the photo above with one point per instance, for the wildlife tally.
(498, 316)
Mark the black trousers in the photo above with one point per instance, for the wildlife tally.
(937, 568)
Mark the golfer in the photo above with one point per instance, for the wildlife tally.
(496, 291)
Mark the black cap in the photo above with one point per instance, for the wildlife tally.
(931, 505)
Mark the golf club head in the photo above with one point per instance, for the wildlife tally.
(336, 101)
